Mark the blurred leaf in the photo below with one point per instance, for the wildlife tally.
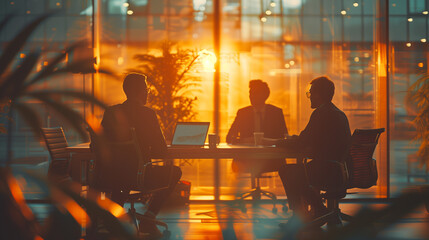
(69, 115)
(4, 21)
(51, 67)
(18, 42)
(29, 116)
(113, 224)
(69, 93)
(12, 85)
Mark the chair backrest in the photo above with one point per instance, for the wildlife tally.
(362, 168)
(56, 143)
(119, 164)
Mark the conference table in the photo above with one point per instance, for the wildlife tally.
(82, 156)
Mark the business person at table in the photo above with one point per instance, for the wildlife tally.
(326, 138)
(258, 117)
(116, 124)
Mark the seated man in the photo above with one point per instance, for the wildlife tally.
(326, 138)
(117, 122)
(259, 117)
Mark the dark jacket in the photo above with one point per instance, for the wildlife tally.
(122, 164)
(327, 135)
(326, 139)
(273, 124)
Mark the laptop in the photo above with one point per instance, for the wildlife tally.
(190, 134)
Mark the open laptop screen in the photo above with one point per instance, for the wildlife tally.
(190, 133)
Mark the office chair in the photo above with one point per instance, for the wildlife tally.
(59, 166)
(256, 192)
(362, 173)
(105, 175)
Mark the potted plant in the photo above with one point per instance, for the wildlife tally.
(169, 81)
(418, 97)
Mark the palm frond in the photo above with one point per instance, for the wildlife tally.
(5, 21)
(69, 115)
(69, 93)
(50, 68)
(29, 116)
(13, 83)
(18, 42)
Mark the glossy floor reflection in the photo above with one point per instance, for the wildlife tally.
(223, 221)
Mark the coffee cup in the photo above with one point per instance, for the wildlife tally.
(258, 136)
(213, 140)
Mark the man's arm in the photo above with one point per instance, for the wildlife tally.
(232, 135)
(282, 126)
(158, 146)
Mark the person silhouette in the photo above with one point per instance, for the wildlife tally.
(326, 138)
(116, 124)
(258, 117)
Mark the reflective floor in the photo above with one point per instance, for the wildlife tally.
(223, 221)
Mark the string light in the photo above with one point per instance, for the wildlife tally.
(355, 4)
(408, 44)
(268, 12)
(263, 19)
(425, 12)
(343, 12)
(410, 19)
(272, 4)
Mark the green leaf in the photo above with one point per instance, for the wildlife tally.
(18, 42)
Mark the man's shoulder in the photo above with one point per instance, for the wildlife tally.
(245, 109)
(124, 106)
(271, 107)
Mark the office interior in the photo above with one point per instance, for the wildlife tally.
(372, 50)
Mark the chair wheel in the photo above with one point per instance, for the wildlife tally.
(166, 234)
(285, 209)
(274, 210)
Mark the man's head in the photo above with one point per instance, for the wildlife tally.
(258, 92)
(321, 91)
(135, 87)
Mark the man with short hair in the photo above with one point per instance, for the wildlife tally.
(325, 139)
(117, 123)
(259, 117)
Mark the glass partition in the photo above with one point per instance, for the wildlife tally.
(286, 43)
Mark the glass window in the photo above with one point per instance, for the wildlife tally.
(397, 7)
(417, 6)
(353, 29)
(417, 29)
(311, 28)
(311, 8)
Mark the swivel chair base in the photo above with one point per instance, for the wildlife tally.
(140, 217)
(256, 194)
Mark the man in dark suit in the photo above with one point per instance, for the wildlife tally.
(117, 122)
(326, 140)
(259, 117)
